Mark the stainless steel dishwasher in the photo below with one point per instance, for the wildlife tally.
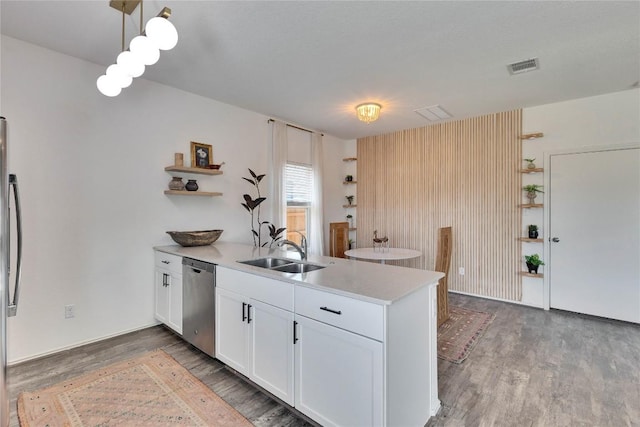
(198, 304)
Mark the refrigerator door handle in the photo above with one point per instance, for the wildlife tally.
(13, 306)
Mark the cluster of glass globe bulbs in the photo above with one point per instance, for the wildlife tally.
(143, 50)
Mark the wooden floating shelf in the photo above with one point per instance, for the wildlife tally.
(191, 193)
(535, 170)
(349, 206)
(200, 171)
(528, 240)
(530, 205)
(532, 135)
(349, 182)
(349, 159)
(527, 274)
(353, 229)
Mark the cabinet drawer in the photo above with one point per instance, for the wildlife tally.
(270, 291)
(353, 315)
(169, 262)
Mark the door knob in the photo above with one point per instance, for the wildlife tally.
(555, 239)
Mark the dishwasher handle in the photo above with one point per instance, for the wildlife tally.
(198, 266)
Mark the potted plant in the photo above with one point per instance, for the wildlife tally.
(349, 178)
(533, 231)
(350, 219)
(533, 262)
(351, 243)
(350, 199)
(530, 164)
(532, 191)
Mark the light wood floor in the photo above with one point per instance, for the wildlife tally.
(531, 368)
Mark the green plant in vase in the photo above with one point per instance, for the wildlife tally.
(349, 199)
(533, 262)
(533, 231)
(530, 164)
(253, 207)
(532, 191)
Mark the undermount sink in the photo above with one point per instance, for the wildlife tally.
(283, 265)
(298, 267)
(267, 262)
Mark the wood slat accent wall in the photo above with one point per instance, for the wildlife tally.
(463, 174)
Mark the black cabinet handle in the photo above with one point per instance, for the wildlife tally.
(165, 262)
(249, 313)
(295, 332)
(331, 311)
(165, 279)
(244, 308)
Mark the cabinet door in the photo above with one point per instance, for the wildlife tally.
(339, 375)
(271, 351)
(232, 331)
(162, 281)
(175, 303)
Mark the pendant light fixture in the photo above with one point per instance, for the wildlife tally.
(368, 112)
(159, 34)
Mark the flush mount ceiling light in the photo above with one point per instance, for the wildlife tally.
(159, 34)
(368, 112)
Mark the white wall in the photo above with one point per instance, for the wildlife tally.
(600, 121)
(335, 191)
(91, 176)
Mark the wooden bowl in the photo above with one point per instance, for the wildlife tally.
(195, 238)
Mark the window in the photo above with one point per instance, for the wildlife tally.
(298, 188)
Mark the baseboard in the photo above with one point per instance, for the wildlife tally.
(78, 344)
(496, 299)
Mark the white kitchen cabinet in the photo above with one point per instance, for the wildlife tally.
(339, 375)
(364, 364)
(255, 337)
(232, 331)
(168, 290)
(354, 362)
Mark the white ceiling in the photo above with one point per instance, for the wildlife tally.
(310, 63)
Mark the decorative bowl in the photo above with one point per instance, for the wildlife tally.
(214, 166)
(195, 238)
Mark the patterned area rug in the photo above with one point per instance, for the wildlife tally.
(461, 332)
(150, 390)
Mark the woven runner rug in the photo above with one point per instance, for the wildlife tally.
(150, 390)
(460, 333)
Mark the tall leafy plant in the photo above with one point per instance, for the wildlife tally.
(253, 207)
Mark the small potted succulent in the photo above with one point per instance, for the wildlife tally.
(530, 164)
(348, 178)
(532, 191)
(533, 262)
(350, 199)
(533, 231)
(350, 219)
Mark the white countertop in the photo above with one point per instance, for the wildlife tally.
(380, 284)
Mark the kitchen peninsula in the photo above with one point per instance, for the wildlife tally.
(353, 343)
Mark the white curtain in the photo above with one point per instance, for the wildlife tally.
(316, 232)
(278, 163)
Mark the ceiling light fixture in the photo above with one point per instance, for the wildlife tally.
(368, 112)
(159, 34)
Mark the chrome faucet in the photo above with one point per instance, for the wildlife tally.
(301, 250)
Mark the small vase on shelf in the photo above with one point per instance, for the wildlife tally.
(191, 185)
(176, 184)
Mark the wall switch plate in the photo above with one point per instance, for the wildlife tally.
(461, 271)
(69, 311)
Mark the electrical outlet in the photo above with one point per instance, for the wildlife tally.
(69, 311)
(461, 271)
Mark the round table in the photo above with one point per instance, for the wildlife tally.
(382, 254)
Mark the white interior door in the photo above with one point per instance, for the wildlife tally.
(594, 202)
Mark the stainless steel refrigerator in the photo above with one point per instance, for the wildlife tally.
(8, 305)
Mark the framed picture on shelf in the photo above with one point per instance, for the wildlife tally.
(201, 155)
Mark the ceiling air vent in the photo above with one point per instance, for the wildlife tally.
(433, 113)
(524, 66)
